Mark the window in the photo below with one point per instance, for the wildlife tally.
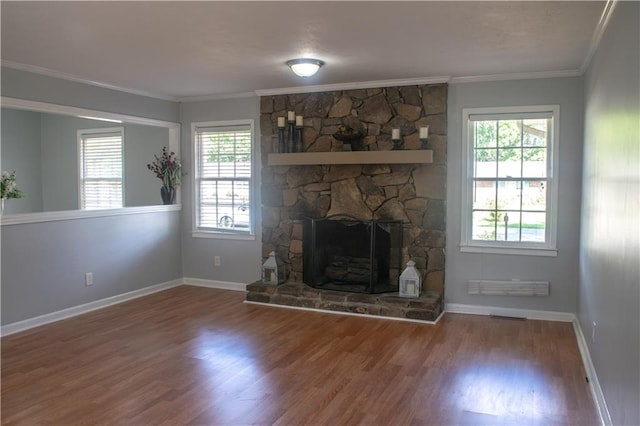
(223, 178)
(101, 168)
(510, 192)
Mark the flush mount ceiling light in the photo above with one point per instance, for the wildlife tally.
(304, 67)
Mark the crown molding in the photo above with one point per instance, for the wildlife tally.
(70, 77)
(352, 86)
(515, 76)
(598, 33)
(79, 112)
(217, 97)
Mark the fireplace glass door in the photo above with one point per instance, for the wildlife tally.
(352, 256)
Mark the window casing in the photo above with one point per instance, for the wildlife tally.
(509, 192)
(223, 179)
(101, 168)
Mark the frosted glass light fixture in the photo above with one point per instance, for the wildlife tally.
(305, 67)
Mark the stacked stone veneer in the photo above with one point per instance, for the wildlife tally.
(412, 193)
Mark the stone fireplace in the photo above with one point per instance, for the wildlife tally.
(410, 194)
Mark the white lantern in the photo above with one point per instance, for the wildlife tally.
(273, 271)
(410, 281)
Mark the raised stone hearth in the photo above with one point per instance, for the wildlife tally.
(426, 308)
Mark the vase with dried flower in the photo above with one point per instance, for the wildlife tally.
(168, 169)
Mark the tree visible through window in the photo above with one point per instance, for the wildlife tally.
(509, 192)
(101, 168)
(224, 177)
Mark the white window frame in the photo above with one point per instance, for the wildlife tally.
(82, 133)
(198, 232)
(467, 244)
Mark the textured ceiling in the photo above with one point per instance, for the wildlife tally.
(187, 49)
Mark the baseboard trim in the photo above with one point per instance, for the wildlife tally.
(27, 324)
(323, 311)
(594, 384)
(457, 308)
(222, 285)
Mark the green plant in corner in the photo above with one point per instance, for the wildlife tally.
(167, 168)
(8, 187)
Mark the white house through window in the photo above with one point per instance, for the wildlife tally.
(510, 189)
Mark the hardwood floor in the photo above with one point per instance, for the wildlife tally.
(194, 355)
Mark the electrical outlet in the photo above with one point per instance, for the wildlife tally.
(88, 279)
(216, 260)
(593, 332)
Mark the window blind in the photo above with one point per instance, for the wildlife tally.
(101, 169)
(224, 178)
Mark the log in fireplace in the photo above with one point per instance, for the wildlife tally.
(345, 254)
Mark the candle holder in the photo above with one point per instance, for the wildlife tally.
(395, 138)
(424, 136)
(291, 142)
(299, 145)
(282, 146)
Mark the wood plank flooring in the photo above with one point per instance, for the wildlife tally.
(194, 355)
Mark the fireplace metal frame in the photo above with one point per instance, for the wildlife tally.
(310, 260)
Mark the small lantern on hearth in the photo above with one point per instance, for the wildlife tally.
(273, 271)
(410, 281)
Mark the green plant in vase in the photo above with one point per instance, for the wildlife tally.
(169, 170)
(8, 188)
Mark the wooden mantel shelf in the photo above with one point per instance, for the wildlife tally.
(352, 157)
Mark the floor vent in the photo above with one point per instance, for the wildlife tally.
(509, 288)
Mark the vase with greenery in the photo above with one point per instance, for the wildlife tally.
(8, 188)
(168, 169)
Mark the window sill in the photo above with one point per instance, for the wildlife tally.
(19, 219)
(518, 251)
(223, 236)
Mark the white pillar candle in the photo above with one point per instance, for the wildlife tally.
(280, 122)
(395, 134)
(291, 115)
(424, 132)
(299, 120)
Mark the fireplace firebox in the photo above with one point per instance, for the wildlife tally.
(344, 254)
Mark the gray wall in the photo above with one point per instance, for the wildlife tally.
(21, 152)
(34, 87)
(43, 264)
(610, 240)
(240, 260)
(561, 271)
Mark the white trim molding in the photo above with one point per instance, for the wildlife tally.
(19, 219)
(352, 86)
(46, 107)
(76, 79)
(598, 33)
(594, 384)
(457, 308)
(83, 309)
(515, 76)
(222, 285)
